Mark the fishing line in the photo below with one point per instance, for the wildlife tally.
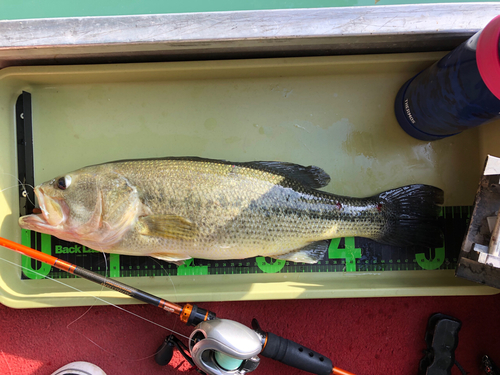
(166, 273)
(25, 192)
(18, 180)
(171, 282)
(102, 288)
(90, 308)
(86, 312)
(98, 298)
(109, 303)
(7, 362)
(101, 347)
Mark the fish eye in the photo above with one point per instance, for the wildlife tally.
(64, 182)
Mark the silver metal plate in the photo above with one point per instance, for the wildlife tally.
(242, 34)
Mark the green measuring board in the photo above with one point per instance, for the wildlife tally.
(350, 254)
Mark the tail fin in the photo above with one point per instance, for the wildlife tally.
(411, 214)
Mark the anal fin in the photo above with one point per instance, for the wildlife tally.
(177, 259)
(310, 253)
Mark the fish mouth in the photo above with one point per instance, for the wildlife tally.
(54, 213)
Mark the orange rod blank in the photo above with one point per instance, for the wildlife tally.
(339, 371)
(92, 276)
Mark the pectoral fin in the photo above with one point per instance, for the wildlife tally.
(168, 226)
(310, 253)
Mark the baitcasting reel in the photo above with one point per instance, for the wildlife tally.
(225, 347)
(217, 347)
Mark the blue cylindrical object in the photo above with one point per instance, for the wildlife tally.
(460, 91)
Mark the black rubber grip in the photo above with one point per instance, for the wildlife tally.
(292, 354)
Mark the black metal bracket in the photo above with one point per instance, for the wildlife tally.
(25, 168)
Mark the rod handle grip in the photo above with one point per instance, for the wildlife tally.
(296, 355)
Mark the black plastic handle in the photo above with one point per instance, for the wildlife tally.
(296, 355)
(442, 340)
(164, 353)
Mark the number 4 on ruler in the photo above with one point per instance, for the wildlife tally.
(350, 253)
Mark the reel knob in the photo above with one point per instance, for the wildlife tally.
(165, 352)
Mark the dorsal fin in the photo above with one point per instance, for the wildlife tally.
(311, 176)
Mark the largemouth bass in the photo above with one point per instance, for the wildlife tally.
(180, 208)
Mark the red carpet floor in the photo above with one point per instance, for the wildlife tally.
(364, 336)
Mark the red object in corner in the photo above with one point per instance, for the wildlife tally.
(487, 56)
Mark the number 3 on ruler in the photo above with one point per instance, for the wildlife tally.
(350, 253)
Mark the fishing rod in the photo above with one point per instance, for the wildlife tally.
(217, 346)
